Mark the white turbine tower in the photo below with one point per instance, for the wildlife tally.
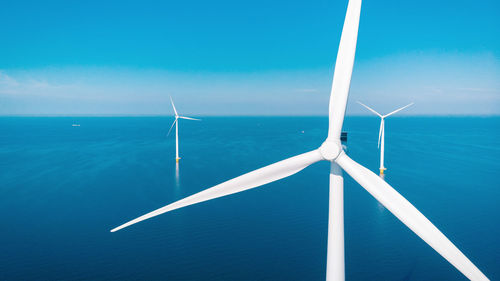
(176, 123)
(331, 150)
(381, 132)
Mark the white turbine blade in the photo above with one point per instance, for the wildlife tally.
(343, 70)
(369, 108)
(189, 118)
(173, 106)
(380, 131)
(171, 127)
(250, 180)
(397, 110)
(410, 216)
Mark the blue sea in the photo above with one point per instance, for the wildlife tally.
(63, 188)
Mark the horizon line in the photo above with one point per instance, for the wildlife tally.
(242, 115)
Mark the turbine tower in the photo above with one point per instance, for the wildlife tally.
(331, 150)
(176, 123)
(381, 133)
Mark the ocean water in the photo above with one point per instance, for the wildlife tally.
(62, 189)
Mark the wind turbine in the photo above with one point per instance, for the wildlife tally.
(331, 150)
(381, 132)
(176, 123)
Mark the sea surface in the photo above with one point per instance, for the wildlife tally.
(63, 188)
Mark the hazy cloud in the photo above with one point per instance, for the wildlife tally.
(306, 90)
(438, 84)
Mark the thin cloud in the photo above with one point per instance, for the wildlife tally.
(7, 81)
(437, 84)
(306, 90)
(480, 90)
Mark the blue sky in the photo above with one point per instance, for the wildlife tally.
(245, 58)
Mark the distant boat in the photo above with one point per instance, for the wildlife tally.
(75, 125)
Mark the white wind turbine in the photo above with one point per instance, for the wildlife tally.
(331, 150)
(176, 123)
(381, 133)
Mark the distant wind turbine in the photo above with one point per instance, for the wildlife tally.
(381, 132)
(331, 150)
(176, 123)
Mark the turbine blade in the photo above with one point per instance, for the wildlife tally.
(369, 108)
(397, 110)
(380, 132)
(250, 180)
(173, 106)
(189, 118)
(169, 130)
(410, 216)
(343, 70)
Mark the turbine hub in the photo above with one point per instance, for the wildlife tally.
(330, 150)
